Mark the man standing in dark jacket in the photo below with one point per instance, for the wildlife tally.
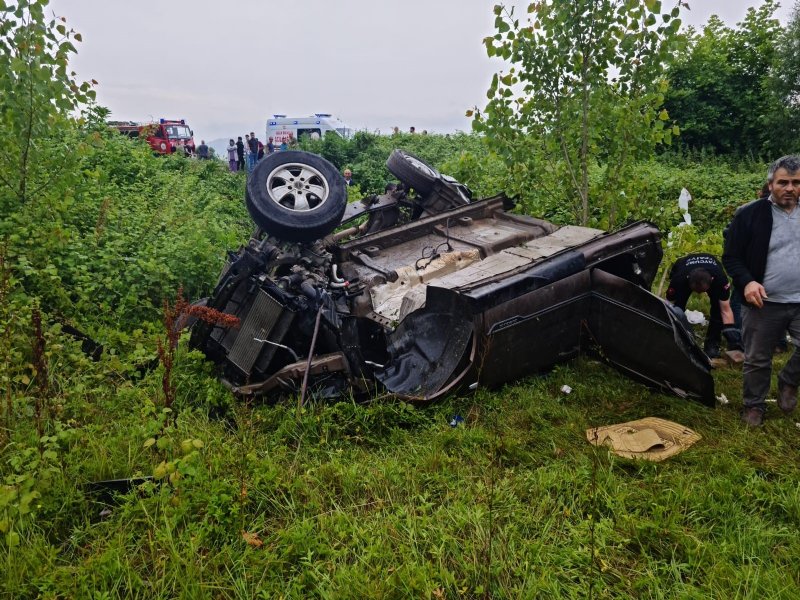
(761, 255)
(240, 154)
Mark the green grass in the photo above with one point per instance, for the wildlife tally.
(345, 501)
(387, 501)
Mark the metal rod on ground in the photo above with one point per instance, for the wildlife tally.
(301, 401)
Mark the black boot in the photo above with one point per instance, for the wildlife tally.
(733, 338)
(711, 349)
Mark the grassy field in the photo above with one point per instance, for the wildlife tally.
(342, 500)
(387, 501)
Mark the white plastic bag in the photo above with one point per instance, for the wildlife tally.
(695, 317)
(683, 204)
(684, 199)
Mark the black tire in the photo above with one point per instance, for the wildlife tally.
(296, 196)
(413, 171)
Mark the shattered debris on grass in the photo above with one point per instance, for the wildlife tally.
(252, 539)
(456, 421)
(735, 357)
(566, 389)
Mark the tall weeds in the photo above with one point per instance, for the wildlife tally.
(42, 396)
(6, 329)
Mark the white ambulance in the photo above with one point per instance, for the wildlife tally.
(282, 128)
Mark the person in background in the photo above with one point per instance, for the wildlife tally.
(270, 146)
(412, 129)
(260, 151)
(761, 252)
(252, 155)
(702, 274)
(202, 150)
(239, 154)
(284, 146)
(348, 177)
(232, 157)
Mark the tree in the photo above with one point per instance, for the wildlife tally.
(734, 86)
(785, 84)
(37, 95)
(581, 102)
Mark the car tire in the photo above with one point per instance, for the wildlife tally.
(296, 196)
(412, 171)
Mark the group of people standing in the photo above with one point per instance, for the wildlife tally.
(762, 247)
(245, 154)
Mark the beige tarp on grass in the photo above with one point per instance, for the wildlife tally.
(650, 438)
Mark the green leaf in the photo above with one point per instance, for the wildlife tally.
(160, 471)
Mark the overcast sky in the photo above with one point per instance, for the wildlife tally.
(227, 66)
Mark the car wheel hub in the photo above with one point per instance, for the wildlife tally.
(297, 187)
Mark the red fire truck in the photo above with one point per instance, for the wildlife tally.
(164, 137)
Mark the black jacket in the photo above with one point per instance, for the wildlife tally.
(679, 291)
(747, 243)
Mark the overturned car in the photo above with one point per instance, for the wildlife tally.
(422, 295)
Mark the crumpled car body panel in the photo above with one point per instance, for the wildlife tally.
(591, 310)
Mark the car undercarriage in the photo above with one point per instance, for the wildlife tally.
(427, 294)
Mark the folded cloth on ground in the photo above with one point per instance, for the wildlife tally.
(650, 438)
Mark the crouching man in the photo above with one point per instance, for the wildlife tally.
(761, 254)
(702, 274)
